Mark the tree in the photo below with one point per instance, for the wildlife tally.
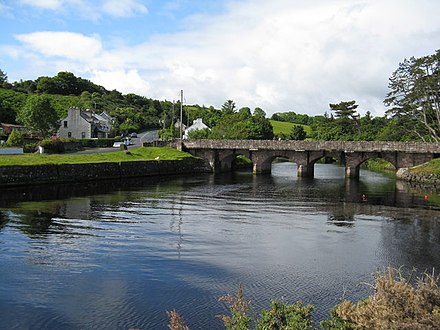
(259, 112)
(39, 115)
(298, 133)
(345, 110)
(414, 95)
(347, 119)
(3, 77)
(228, 107)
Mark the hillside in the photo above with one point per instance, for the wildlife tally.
(282, 127)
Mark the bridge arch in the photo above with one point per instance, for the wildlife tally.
(220, 153)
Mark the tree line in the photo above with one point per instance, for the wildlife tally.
(413, 115)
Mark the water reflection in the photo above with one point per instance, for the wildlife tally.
(118, 254)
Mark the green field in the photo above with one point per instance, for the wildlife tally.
(286, 128)
(135, 154)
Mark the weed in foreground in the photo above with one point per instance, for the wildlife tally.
(395, 304)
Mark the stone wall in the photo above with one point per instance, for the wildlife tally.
(40, 174)
(423, 178)
(347, 146)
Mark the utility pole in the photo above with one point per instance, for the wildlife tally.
(181, 113)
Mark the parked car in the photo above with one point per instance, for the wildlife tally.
(133, 135)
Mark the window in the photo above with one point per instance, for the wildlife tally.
(65, 123)
(69, 134)
(83, 135)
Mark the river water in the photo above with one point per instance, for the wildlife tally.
(115, 255)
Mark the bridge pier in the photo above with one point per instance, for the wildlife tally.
(306, 170)
(351, 171)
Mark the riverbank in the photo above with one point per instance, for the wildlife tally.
(141, 162)
(427, 174)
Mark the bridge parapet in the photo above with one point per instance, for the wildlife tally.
(348, 146)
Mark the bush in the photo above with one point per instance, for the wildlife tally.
(395, 304)
(52, 145)
(30, 147)
(98, 143)
(285, 317)
(15, 139)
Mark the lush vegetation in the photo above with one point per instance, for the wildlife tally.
(134, 154)
(397, 302)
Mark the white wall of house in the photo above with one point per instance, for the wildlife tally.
(75, 126)
(197, 125)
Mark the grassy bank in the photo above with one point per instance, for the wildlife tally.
(432, 167)
(135, 154)
(379, 165)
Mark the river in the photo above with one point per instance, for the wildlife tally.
(119, 254)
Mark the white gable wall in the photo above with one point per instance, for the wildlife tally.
(77, 126)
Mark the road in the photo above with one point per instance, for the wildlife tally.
(148, 136)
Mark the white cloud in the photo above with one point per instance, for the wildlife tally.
(69, 45)
(124, 8)
(280, 55)
(91, 9)
(44, 4)
(124, 81)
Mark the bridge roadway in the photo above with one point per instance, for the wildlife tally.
(221, 154)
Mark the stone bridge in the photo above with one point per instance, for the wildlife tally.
(221, 154)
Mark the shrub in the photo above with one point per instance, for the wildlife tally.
(239, 307)
(98, 143)
(53, 145)
(15, 139)
(30, 147)
(285, 317)
(395, 304)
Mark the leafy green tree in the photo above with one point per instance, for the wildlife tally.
(414, 95)
(38, 114)
(10, 103)
(259, 112)
(298, 133)
(199, 134)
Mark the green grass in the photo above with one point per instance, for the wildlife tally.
(432, 167)
(135, 154)
(286, 128)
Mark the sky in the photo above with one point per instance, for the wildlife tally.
(279, 55)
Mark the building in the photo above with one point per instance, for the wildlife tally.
(85, 124)
(6, 129)
(197, 125)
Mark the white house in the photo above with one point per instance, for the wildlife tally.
(84, 124)
(197, 125)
